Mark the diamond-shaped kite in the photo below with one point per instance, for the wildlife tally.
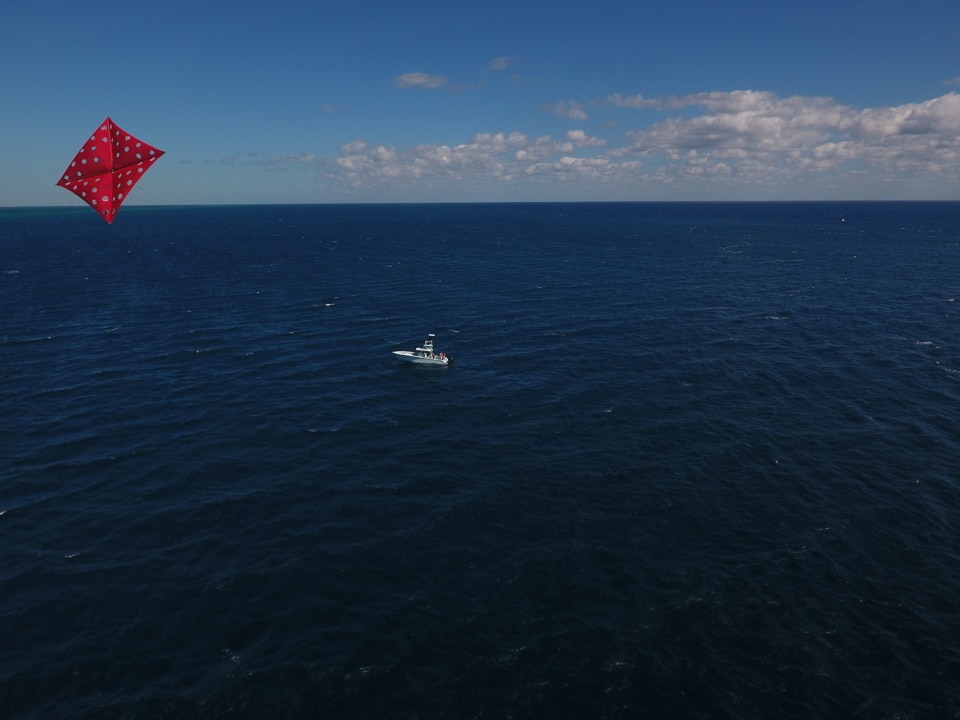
(107, 167)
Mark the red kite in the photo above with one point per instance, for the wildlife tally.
(107, 167)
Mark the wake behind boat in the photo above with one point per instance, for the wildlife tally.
(425, 354)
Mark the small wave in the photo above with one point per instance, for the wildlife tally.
(41, 338)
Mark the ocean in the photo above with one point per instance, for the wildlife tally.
(692, 460)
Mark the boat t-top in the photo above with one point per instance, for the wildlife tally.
(424, 354)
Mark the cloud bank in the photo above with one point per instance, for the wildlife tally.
(723, 145)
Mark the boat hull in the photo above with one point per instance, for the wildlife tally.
(410, 356)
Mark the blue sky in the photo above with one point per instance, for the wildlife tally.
(421, 101)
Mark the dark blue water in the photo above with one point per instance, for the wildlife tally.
(692, 461)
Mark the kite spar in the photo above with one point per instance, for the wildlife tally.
(107, 167)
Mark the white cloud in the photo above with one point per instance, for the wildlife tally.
(758, 136)
(420, 80)
(571, 109)
(485, 156)
(742, 143)
(940, 116)
(581, 139)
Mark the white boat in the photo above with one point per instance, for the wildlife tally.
(425, 354)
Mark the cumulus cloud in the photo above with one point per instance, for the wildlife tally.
(484, 155)
(420, 80)
(940, 116)
(495, 157)
(742, 143)
(760, 135)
